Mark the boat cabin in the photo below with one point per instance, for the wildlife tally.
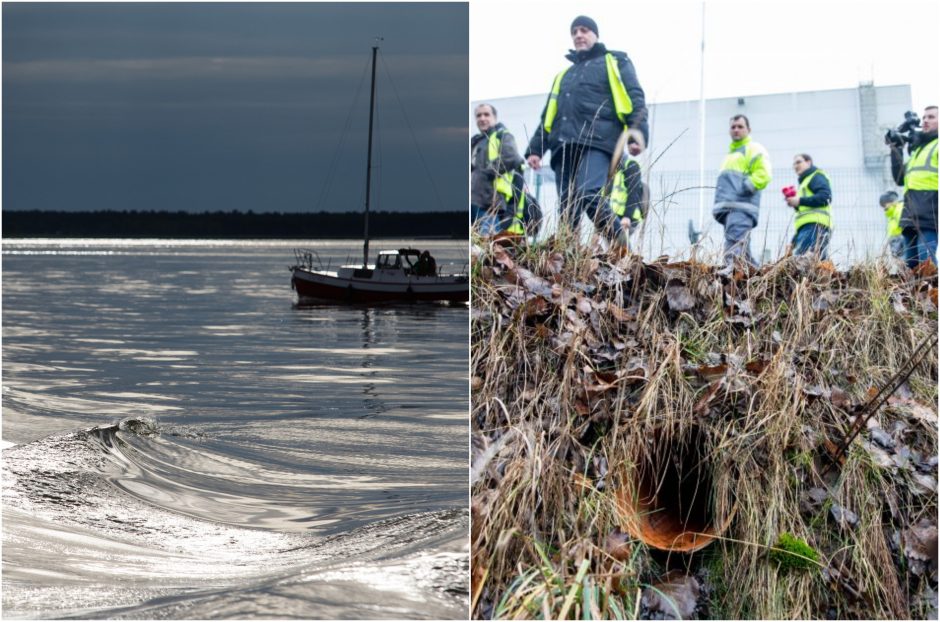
(388, 260)
(410, 260)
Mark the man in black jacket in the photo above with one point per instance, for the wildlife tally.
(495, 175)
(591, 103)
(919, 178)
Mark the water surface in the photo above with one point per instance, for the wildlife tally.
(273, 461)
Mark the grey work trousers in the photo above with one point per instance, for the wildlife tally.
(580, 178)
(738, 228)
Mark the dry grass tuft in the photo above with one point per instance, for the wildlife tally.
(592, 373)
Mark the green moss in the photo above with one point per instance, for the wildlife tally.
(791, 552)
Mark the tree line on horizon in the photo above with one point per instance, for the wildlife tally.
(233, 224)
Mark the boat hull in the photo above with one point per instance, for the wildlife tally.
(328, 287)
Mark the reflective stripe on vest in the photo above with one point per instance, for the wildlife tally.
(622, 102)
(808, 215)
(921, 170)
(502, 183)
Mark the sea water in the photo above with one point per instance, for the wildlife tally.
(182, 440)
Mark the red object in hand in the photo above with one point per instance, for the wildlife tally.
(789, 191)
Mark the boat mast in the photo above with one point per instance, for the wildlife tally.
(365, 247)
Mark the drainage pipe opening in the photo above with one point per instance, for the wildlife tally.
(667, 502)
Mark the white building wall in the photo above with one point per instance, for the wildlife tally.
(825, 124)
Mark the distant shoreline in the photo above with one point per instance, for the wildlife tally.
(233, 225)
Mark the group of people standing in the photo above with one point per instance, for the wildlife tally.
(596, 109)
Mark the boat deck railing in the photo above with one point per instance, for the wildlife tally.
(309, 259)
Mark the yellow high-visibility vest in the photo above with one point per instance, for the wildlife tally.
(893, 214)
(921, 170)
(620, 194)
(622, 102)
(503, 183)
(807, 215)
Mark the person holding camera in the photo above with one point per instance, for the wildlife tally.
(919, 178)
(812, 202)
(495, 176)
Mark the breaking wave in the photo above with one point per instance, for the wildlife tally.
(135, 520)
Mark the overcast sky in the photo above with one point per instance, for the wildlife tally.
(751, 47)
(227, 106)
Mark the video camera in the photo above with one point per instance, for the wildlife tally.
(905, 133)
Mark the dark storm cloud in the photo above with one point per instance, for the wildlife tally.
(231, 106)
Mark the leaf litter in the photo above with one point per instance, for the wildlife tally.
(585, 366)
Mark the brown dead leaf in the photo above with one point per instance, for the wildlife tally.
(925, 269)
(826, 266)
(534, 307)
(712, 372)
(618, 545)
(606, 376)
(543, 332)
(757, 366)
(580, 481)
(595, 386)
(620, 314)
(480, 508)
(701, 405)
(840, 399)
(502, 257)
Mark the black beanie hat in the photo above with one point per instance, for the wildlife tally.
(587, 22)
